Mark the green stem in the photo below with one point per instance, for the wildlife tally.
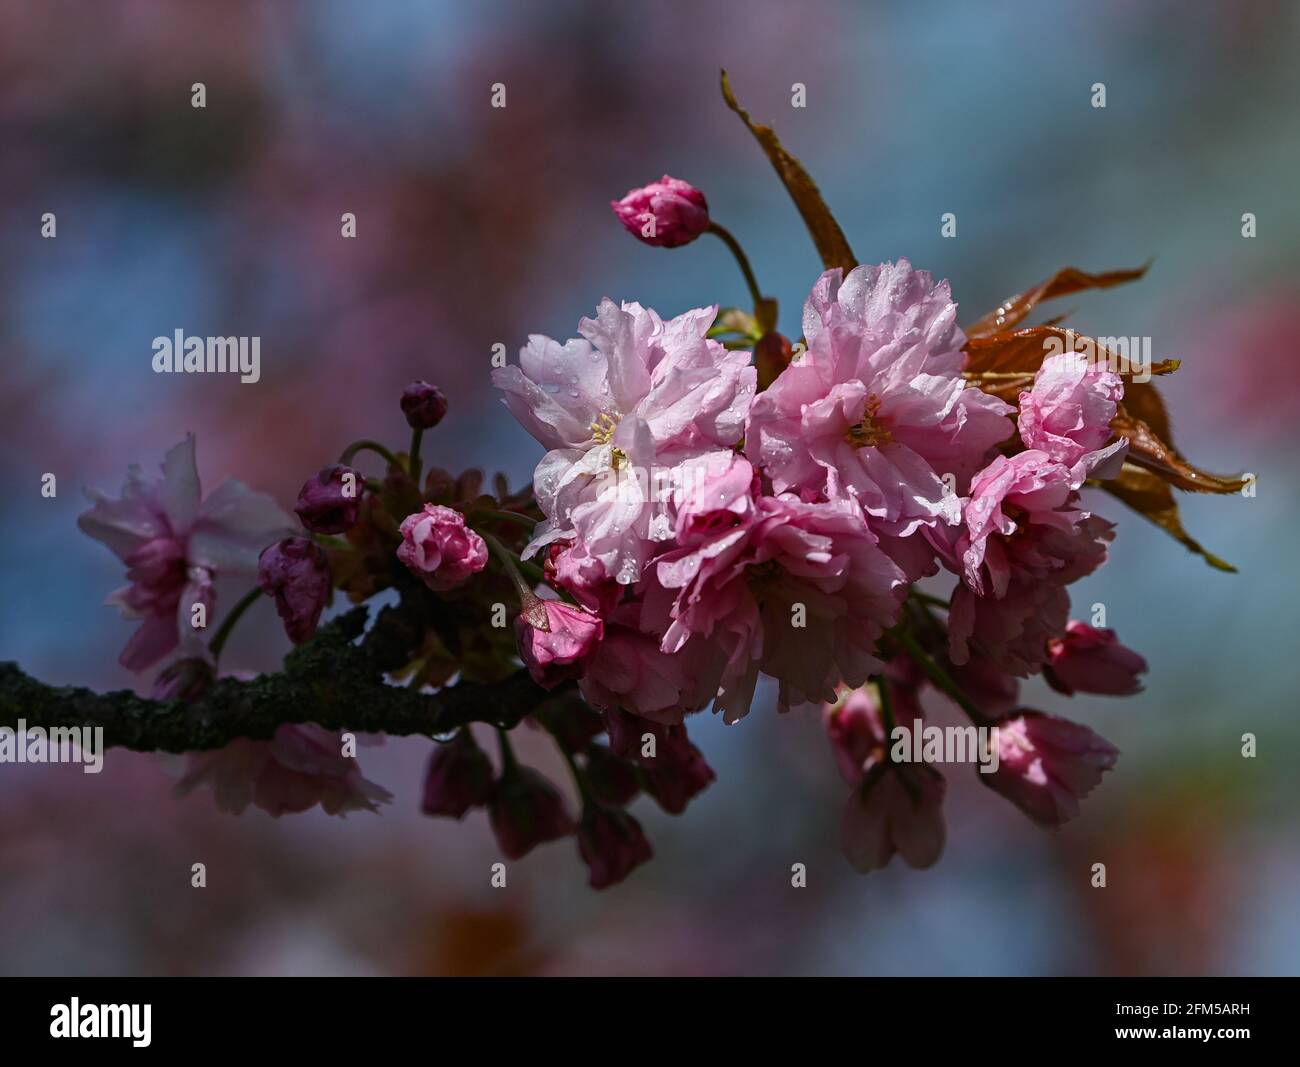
(223, 631)
(580, 779)
(754, 292)
(417, 435)
(369, 446)
(508, 516)
(509, 763)
(926, 598)
(512, 564)
(886, 705)
(939, 677)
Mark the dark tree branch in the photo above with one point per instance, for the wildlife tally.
(333, 680)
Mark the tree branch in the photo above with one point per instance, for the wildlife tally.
(332, 680)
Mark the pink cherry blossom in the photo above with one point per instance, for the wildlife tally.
(1047, 765)
(630, 671)
(177, 544)
(301, 766)
(1010, 632)
(1068, 411)
(622, 409)
(1091, 660)
(439, 549)
(799, 591)
(570, 568)
(1022, 516)
(877, 410)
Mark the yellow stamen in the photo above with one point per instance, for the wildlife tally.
(602, 430)
(869, 432)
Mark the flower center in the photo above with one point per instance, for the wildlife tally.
(870, 432)
(602, 430)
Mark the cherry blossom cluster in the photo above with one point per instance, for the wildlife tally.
(870, 518)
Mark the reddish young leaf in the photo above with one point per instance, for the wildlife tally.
(1147, 449)
(1065, 281)
(831, 243)
(1148, 495)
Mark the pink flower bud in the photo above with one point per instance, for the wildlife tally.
(296, 573)
(557, 640)
(526, 811)
(898, 808)
(1047, 765)
(612, 780)
(423, 405)
(612, 845)
(439, 548)
(1093, 661)
(678, 772)
(330, 502)
(667, 213)
(185, 679)
(459, 777)
(856, 733)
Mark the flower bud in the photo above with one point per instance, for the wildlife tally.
(898, 808)
(1047, 765)
(1092, 661)
(423, 405)
(525, 811)
(330, 502)
(667, 213)
(612, 845)
(612, 780)
(556, 640)
(296, 573)
(570, 720)
(459, 777)
(678, 773)
(185, 679)
(439, 548)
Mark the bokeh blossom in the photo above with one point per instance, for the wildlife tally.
(176, 544)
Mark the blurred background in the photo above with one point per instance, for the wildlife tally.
(477, 226)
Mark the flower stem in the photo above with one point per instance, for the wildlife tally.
(926, 598)
(512, 565)
(509, 763)
(886, 705)
(417, 435)
(508, 516)
(369, 446)
(580, 779)
(939, 677)
(228, 623)
(754, 292)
